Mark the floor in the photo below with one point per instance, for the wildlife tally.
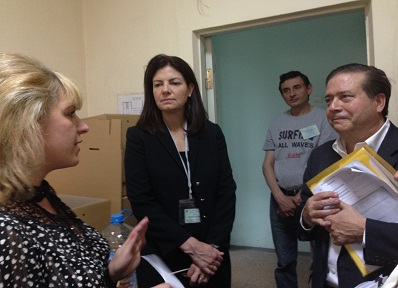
(254, 268)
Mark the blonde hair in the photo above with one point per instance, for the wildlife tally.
(28, 91)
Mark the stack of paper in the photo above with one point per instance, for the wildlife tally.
(365, 181)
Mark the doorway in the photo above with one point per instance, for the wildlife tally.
(246, 68)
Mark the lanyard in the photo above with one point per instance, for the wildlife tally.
(187, 168)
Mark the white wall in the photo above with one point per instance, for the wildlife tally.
(104, 44)
(385, 41)
(121, 36)
(51, 31)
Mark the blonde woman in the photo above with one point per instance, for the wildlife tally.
(42, 242)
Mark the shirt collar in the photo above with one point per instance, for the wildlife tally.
(373, 141)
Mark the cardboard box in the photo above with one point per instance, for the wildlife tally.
(93, 211)
(100, 173)
(127, 120)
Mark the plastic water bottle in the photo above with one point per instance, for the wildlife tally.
(116, 233)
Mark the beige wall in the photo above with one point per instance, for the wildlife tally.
(385, 39)
(50, 31)
(122, 36)
(104, 44)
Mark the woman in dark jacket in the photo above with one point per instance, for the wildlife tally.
(179, 175)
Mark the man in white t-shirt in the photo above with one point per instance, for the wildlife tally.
(289, 141)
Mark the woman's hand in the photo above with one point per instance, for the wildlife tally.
(203, 255)
(197, 276)
(127, 257)
(163, 285)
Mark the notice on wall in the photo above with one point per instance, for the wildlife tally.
(130, 103)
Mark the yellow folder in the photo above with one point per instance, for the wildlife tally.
(372, 161)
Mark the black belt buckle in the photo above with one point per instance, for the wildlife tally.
(290, 192)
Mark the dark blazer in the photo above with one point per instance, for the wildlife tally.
(156, 181)
(381, 237)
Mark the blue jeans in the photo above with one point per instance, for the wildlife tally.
(284, 235)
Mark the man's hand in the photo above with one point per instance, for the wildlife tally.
(287, 205)
(318, 207)
(297, 198)
(347, 226)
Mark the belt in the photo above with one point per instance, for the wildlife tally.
(290, 192)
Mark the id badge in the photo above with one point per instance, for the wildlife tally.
(310, 131)
(189, 213)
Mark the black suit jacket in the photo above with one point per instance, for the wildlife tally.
(381, 237)
(156, 181)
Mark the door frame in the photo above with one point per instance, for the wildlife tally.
(202, 56)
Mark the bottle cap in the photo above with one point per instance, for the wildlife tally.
(119, 218)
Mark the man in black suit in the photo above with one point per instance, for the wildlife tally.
(357, 97)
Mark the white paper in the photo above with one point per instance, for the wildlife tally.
(358, 186)
(369, 194)
(392, 280)
(163, 270)
(368, 284)
(130, 103)
(375, 283)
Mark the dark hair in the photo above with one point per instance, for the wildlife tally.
(151, 117)
(291, 75)
(374, 83)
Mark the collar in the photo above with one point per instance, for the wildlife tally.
(373, 141)
(41, 191)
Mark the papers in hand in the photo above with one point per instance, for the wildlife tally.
(373, 284)
(365, 181)
(163, 270)
(392, 280)
(382, 281)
